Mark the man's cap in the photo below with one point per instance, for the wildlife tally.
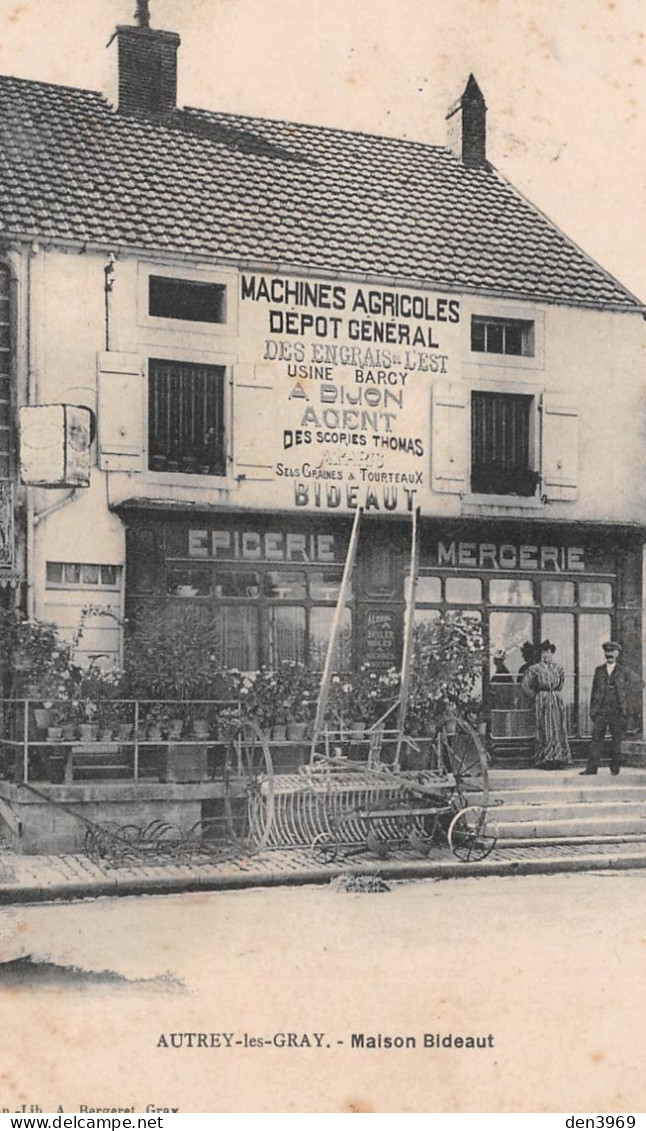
(611, 646)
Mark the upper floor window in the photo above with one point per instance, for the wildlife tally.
(186, 430)
(502, 335)
(71, 575)
(501, 444)
(186, 299)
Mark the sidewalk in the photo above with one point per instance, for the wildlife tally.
(37, 879)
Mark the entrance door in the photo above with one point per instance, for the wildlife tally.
(512, 715)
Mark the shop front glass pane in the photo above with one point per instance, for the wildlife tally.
(325, 585)
(595, 594)
(235, 583)
(320, 631)
(286, 634)
(429, 590)
(512, 591)
(285, 586)
(512, 715)
(559, 628)
(463, 590)
(238, 631)
(188, 582)
(557, 593)
(594, 628)
(424, 615)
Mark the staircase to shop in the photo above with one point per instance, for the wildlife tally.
(561, 807)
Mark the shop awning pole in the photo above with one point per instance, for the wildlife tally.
(409, 621)
(324, 690)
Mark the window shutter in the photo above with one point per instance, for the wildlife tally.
(121, 404)
(255, 422)
(450, 438)
(560, 448)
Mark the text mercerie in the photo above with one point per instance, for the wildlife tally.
(488, 555)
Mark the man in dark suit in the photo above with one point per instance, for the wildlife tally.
(608, 708)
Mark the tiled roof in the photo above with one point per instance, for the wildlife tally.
(278, 193)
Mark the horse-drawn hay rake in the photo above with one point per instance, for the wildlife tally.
(342, 804)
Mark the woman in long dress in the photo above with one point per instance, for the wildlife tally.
(543, 682)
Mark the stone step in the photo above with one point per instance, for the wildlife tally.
(555, 810)
(592, 826)
(590, 795)
(500, 779)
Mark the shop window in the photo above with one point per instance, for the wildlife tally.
(555, 593)
(429, 590)
(423, 616)
(514, 591)
(500, 444)
(321, 620)
(185, 299)
(186, 417)
(511, 713)
(188, 583)
(72, 575)
(594, 628)
(285, 586)
(287, 627)
(234, 583)
(325, 585)
(595, 594)
(559, 628)
(502, 335)
(463, 590)
(239, 642)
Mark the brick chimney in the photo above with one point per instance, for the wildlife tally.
(147, 67)
(467, 128)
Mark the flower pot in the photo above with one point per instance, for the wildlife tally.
(69, 732)
(154, 732)
(357, 730)
(279, 732)
(175, 728)
(200, 728)
(123, 731)
(88, 732)
(105, 734)
(296, 731)
(54, 734)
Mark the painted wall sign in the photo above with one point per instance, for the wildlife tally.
(489, 555)
(349, 366)
(381, 636)
(252, 544)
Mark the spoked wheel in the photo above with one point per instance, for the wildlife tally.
(468, 836)
(249, 788)
(465, 758)
(325, 848)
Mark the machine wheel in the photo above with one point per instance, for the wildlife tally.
(465, 759)
(325, 848)
(468, 836)
(249, 788)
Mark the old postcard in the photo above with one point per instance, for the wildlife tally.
(322, 512)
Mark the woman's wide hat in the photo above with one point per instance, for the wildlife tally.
(547, 646)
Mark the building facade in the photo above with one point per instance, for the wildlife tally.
(273, 325)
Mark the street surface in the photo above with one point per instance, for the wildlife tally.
(187, 1000)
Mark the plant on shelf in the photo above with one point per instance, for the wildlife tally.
(448, 655)
(172, 655)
